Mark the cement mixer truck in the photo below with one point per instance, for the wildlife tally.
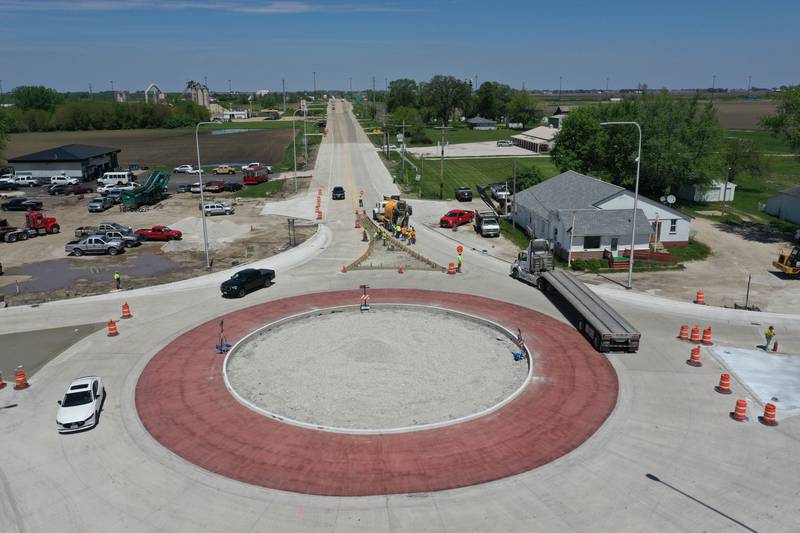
(396, 213)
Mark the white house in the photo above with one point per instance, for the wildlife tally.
(599, 215)
(716, 191)
(542, 138)
(786, 205)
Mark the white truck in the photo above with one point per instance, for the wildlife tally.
(605, 328)
(486, 224)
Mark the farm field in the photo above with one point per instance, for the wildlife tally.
(166, 148)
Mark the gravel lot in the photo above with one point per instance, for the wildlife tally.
(391, 367)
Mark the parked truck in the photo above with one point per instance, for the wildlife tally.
(35, 224)
(101, 229)
(486, 224)
(605, 328)
(96, 244)
(397, 213)
(380, 207)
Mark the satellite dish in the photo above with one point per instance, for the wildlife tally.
(671, 199)
(663, 199)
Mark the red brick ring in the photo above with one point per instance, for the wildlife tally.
(182, 400)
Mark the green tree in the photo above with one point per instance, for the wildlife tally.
(786, 120)
(415, 127)
(492, 100)
(528, 178)
(28, 97)
(443, 95)
(5, 127)
(681, 143)
(402, 93)
(741, 158)
(525, 108)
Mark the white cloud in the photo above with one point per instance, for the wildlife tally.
(245, 6)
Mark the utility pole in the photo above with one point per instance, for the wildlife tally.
(283, 88)
(90, 90)
(559, 88)
(749, 79)
(523, 86)
(351, 89)
(713, 86)
(230, 88)
(112, 87)
(514, 193)
(374, 103)
(403, 154)
(315, 85)
(441, 168)
(205, 81)
(606, 83)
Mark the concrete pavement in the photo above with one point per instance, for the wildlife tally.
(669, 422)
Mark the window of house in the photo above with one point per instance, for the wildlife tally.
(591, 242)
(673, 226)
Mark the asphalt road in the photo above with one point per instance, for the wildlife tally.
(668, 459)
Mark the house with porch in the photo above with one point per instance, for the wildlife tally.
(587, 216)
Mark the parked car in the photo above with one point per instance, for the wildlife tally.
(251, 165)
(159, 233)
(68, 189)
(456, 217)
(21, 204)
(337, 193)
(505, 142)
(233, 186)
(129, 239)
(183, 169)
(214, 186)
(80, 408)
(217, 208)
(99, 204)
(247, 280)
(464, 194)
(224, 169)
(7, 178)
(8, 186)
(105, 189)
(102, 228)
(392, 148)
(183, 187)
(64, 180)
(115, 196)
(27, 181)
(95, 244)
(195, 187)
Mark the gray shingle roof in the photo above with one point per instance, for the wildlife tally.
(612, 222)
(68, 152)
(570, 190)
(480, 120)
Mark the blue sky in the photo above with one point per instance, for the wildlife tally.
(68, 44)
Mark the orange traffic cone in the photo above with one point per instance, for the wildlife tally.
(707, 336)
(701, 298)
(724, 386)
(344, 270)
(358, 223)
(775, 346)
(769, 418)
(740, 412)
(2, 383)
(695, 334)
(126, 311)
(112, 329)
(21, 379)
(401, 270)
(319, 215)
(451, 268)
(694, 358)
(684, 333)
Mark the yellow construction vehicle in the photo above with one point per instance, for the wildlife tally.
(788, 263)
(397, 212)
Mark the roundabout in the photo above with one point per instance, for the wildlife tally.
(183, 401)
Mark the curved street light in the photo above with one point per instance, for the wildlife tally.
(635, 194)
(202, 198)
(294, 142)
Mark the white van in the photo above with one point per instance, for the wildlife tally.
(64, 180)
(116, 178)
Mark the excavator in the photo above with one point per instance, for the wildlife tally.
(789, 263)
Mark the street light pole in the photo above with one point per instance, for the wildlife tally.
(202, 198)
(294, 148)
(635, 195)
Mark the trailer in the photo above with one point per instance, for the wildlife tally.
(600, 323)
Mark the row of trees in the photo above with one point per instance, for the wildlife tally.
(43, 109)
(683, 144)
(437, 100)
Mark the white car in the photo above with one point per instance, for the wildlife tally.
(217, 208)
(183, 169)
(64, 180)
(8, 178)
(26, 181)
(251, 165)
(105, 189)
(505, 142)
(392, 148)
(81, 405)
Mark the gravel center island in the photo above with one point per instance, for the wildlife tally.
(392, 367)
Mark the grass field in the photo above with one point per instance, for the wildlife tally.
(766, 142)
(252, 125)
(467, 173)
(258, 191)
(466, 135)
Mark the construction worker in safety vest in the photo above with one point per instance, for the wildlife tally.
(397, 230)
(404, 231)
(459, 260)
(769, 334)
(360, 200)
(117, 280)
(413, 235)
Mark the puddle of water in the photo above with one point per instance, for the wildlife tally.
(59, 274)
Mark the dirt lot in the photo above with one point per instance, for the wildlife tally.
(743, 114)
(738, 252)
(44, 271)
(166, 147)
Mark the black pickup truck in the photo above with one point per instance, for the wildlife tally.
(247, 280)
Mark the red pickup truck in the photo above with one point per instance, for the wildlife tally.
(159, 233)
(456, 217)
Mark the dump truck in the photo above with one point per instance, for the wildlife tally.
(603, 326)
(487, 224)
(789, 263)
(35, 224)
